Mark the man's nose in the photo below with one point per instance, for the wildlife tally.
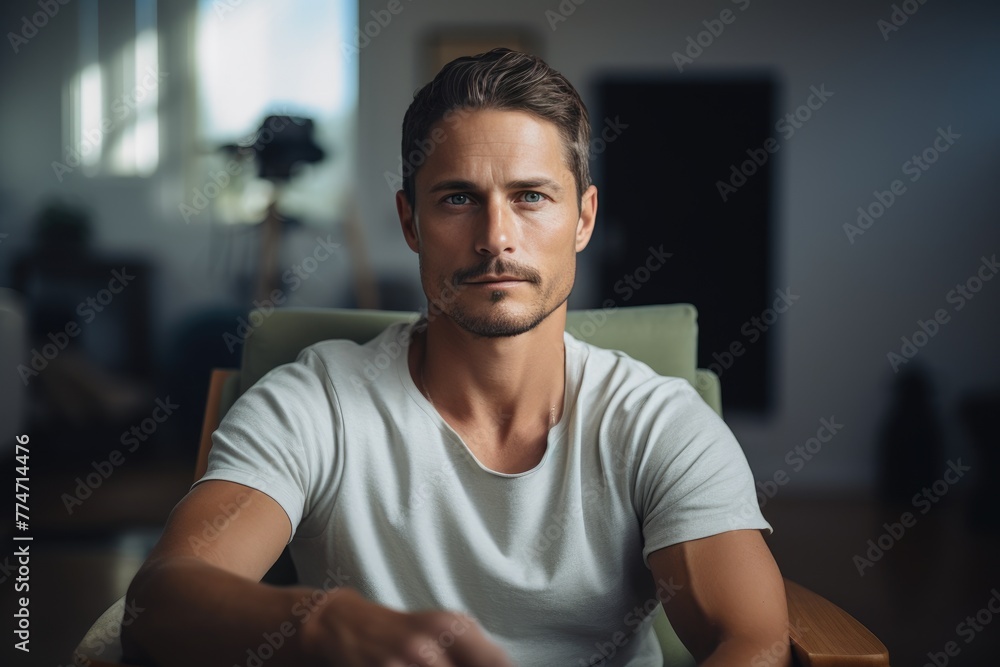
(495, 229)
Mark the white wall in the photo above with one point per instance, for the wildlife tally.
(890, 96)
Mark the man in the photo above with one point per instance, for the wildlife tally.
(501, 493)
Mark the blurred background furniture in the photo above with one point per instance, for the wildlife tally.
(13, 338)
(664, 337)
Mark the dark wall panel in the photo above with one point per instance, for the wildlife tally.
(661, 185)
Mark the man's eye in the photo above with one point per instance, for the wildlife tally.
(457, 200)
(533, 197)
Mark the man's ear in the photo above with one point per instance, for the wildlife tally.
(588, 218)
(408, 221)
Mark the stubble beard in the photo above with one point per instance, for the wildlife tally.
(497, 321)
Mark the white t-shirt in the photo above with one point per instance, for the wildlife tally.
(385, 497)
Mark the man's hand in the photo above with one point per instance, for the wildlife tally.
(347, 630)
(204, 606)
(730, 607)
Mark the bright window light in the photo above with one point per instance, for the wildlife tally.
(89, 136)
(259, 57)
(148, 79)
(114, 122)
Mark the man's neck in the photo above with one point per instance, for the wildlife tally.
(507, 387)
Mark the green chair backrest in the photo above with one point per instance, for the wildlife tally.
(665, 337)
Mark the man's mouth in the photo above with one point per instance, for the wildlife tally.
(496, 280)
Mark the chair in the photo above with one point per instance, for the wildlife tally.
(664, 337)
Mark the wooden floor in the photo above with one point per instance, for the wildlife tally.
(914, 598)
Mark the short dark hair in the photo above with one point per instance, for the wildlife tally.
(504, 80)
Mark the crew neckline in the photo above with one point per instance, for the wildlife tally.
(555, 435)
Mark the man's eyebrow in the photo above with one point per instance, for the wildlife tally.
(525, 184)
(532, 183)
(452, 185)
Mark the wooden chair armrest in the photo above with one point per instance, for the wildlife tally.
(824, 635)
(212, 418)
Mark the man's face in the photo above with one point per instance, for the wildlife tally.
(496, 222)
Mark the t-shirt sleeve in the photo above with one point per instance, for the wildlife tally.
(277, 436)
(692, 478)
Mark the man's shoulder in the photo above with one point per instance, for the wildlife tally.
(615, 376)
(613, 363)
(344, 359)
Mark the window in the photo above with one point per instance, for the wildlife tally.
(113, 104)
(256, 58)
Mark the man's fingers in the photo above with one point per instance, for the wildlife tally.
(459, 639)
(473, 648)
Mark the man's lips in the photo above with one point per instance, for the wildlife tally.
(497, 281)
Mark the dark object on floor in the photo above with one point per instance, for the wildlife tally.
(980, 416)
(911, 454)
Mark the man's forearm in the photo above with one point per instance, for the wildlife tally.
(187, 612)
(750, 653)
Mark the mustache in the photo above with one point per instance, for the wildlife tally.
(496, 266)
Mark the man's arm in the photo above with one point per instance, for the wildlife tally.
(199, 600)
(730, 606)
(204, 573)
